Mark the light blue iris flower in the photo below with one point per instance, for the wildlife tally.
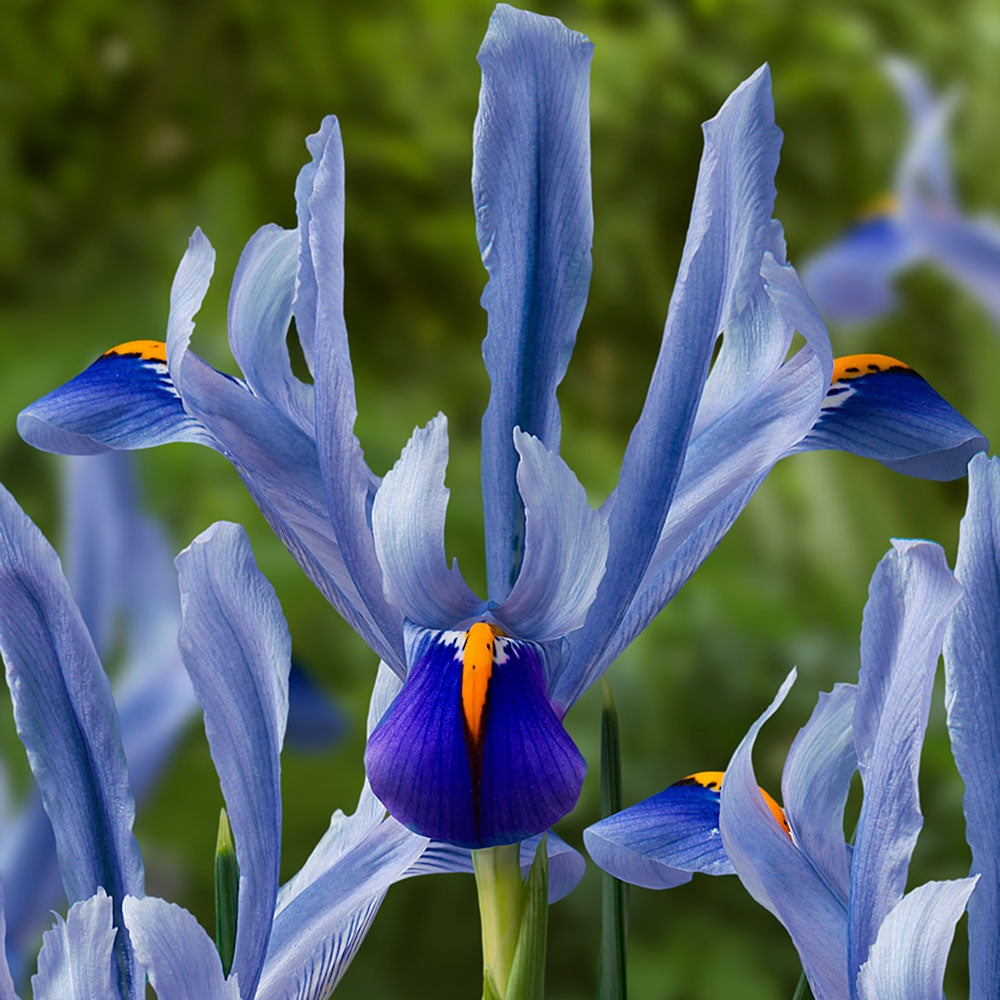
(859, 934)
(972, 692)
(473, 751)
(298, 938)
(851, 280)
(124, 584)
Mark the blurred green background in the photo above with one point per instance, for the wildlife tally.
(125, 125)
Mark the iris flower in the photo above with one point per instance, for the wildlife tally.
(296, 939)
(851, 280)
(859, 934)
(972, 694)
(473, 751)
(123, 581)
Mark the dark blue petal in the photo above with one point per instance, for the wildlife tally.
(236, 648)
(660, 841)
(516, 779)
(878, 407)
(125, 399)
(531, 185)
(67, 721)
(972, 694)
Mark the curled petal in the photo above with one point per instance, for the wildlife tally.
(476, 766)
(778, 875)
(815, 782)
(260, 310)
(566, 546)
(878, 407)
(408, 527)
(531, 185)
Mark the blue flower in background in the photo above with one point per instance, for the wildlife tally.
(851, 280)
(859, 934)
(296, 939)
(473, 751)
(972, 695)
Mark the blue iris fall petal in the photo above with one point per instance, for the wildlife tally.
(481, 779)
(581, 583)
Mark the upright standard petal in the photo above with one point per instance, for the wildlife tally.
(236, 647)
(181, 959)
(730, 231)
(75, 962)
(408, 527)
(534, 221)
(911, 597)
(67, 721)
(348, 483)
(565, 551)
(878, 407)
(471, 751)
(972, 695)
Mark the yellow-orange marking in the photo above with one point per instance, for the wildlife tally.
(147, 350)
(477, 669)
(713, 780)
(855, 365)
(879, 207)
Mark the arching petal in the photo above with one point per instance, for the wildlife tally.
(66, 719)
(512, 776)
(566, 547)
(236, 647)
(534, 221)
(910, 952)
(75, 962)
(778, 875)
(6, 982)
(730, 231)
(911, 597)
(972, 696)
(318, 931)
(408, 527)
(878, 407)
(815, 782)
(181, 959)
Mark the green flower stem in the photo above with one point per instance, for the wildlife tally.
(802, 991)
(501, 907)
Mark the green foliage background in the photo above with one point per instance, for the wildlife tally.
(123, 126)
